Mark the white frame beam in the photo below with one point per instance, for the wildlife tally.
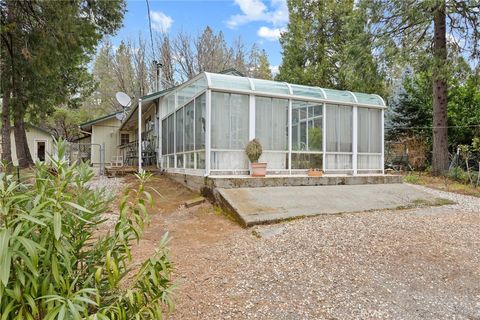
(251, 118)
(208, 131)
(354, 140)
(139, 135)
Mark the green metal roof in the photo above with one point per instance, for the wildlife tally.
(91, 122)
(155, 95)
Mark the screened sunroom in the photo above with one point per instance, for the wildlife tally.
(205, 124)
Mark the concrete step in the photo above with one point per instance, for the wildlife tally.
(194, 202)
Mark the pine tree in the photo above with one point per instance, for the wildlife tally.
(327, 44)
(407, 29)
(45, 48)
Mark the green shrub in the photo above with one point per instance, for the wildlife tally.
(458, 174)
(56, 264)
(410, 178)
(254, 150)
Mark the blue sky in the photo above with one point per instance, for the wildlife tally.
(259, 21)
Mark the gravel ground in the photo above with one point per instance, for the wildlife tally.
(421, 263)
(113, 187)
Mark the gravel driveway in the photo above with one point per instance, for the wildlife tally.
(421, 263)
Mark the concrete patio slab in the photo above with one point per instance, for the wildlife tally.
(272, 204)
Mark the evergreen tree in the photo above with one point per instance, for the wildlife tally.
(408, 29)
(412, 108)
(45, 48)
(258, 65)
(327, 44)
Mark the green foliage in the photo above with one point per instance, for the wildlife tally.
(259, 67)
(327, 44)
(411, 178)
(45, 48)
(412, 108)
(46, 63)
(254, 150)
(315, 138)
(412, 111)
(64, 122)
(464, 109)
(56, 264)
(458, 174)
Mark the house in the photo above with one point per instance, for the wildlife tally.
(100, 140)
(40, 143)
(202, 126)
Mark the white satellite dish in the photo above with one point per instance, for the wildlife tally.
(123, 99)
(120, 116)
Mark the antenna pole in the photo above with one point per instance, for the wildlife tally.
(158, 75)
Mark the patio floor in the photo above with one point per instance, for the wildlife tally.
(273, 204)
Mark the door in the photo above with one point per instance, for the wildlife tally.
(41, 149)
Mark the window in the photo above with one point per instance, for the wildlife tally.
(179, 129)
(307, 126)
(124, 138)
(171, 137)
(369, 130)
(339, 139)
(149, 124)
(229, 120)
(339, 128)
(271, 123)
(369, 139)
(200, 123)
(164, 136)
(189, 133)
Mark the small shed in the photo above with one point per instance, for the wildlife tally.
(40, 143)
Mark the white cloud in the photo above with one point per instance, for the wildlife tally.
(274, 70)
(270, 34)
(160, 21)
(256, 10)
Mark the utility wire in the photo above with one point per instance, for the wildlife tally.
(150, 27)
(433, 127)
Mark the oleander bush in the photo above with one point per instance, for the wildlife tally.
(55, 263)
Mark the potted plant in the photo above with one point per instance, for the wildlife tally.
(254, 151)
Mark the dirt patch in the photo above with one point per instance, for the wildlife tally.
(191, 230)
(419, 263)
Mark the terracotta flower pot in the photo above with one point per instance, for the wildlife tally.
(259, 169)
(315, 173)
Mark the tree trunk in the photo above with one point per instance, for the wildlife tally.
(6, 142)
(23, 152)
(440, 159)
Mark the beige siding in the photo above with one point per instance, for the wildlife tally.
(105, 132)
(33, 135)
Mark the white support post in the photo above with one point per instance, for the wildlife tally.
(194, 142)
(324, 136)
(139, 135)
(175, 132)
(159, 134)
(355, 140)
(208, 130)
(383, 141)
(251, 118)
(290, 136)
